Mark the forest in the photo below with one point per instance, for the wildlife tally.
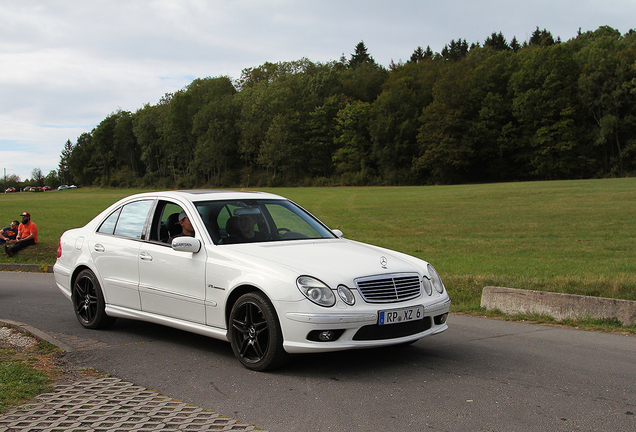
(495, 111)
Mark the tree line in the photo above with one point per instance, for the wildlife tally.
(497, 111)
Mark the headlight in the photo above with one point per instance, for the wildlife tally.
(435, 279)
(427, 286)
(316, 291)
(346, 295)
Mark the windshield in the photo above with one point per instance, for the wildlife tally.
(248, 221)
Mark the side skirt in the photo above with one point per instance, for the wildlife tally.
(122, 312)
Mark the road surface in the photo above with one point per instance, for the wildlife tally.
(480, 375)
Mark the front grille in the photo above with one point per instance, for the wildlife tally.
(390, 288)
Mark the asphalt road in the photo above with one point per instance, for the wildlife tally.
(480, 375)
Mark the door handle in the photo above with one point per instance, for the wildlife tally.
(145, 256)
(99, 247)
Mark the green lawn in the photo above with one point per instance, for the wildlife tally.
(26, 373)
(564, 236)
(53, 212)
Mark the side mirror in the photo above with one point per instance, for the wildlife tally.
(338, 233)
(186, 244)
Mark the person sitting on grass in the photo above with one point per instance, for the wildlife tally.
(27, 236)
(9, 233)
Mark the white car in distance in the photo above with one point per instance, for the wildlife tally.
(251, 268)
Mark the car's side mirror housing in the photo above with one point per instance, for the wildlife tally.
(186, 244)
(338, 233)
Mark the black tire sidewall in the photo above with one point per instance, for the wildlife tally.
(275, 355)
(101, 320)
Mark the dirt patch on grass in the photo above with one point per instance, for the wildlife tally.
(42, 356)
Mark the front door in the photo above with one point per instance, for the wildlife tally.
(172, 283)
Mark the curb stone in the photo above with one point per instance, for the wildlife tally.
(36, 268)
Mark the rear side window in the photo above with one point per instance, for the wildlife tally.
(128, 221)
(108, 226)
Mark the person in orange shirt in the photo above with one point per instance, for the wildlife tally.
(27, 236)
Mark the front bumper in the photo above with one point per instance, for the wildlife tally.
(358, 330)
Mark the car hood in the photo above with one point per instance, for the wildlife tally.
(332, 261)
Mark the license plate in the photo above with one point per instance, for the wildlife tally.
(396, 316)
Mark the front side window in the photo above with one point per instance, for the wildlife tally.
(169, 221)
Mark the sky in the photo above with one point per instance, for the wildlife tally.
(65, 65)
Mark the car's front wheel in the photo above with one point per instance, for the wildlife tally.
(88, 302)
(255, 334)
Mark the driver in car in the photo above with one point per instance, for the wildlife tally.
(186, 225)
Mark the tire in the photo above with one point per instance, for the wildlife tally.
(88, 302)
(255, 333)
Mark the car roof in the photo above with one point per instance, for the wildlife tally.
(211, 195)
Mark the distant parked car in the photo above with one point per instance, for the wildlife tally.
(9, 190)
(46, 188)
(254, 269)
(27, 189)
(63, 187)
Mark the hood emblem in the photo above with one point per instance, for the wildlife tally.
(383, 262)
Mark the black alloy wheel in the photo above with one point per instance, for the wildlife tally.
(255, 334)
(88, 302)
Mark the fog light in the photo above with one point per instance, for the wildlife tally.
(440, 319)
(326, 336)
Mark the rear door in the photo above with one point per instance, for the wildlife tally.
(115, 251)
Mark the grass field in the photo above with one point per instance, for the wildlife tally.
(565, 236)
(25, 372)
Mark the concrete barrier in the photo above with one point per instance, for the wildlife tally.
(558, 306)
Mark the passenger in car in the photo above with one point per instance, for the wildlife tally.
(241, 226)
(247, 221)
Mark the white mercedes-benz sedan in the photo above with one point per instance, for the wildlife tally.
(251, 268)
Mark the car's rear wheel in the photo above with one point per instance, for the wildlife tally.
(88, 302)
(255, 333)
